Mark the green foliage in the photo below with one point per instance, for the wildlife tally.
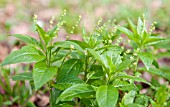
(16, 93)
(95, 72)
(42, 74)
(27, 54)
(107, 96)
(146, 58)
(77, 90)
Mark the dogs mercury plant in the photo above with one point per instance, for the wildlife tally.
(94, 72)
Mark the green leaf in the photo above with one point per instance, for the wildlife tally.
(107, 96)
(139, 26)
(70, 67)
(98, 57)
(60, 54)
(124, 85)
(153, 41)
(77, 90)
(96, 72)
(129, 97)
(132, 25)
(142, 99)
(68, 44)
(8, 103)
(129, 87)
(88, 102)
(64, 105)
(122, 66)
(27, 39)
(68, 81)
(164, 44)
(134, 78)
(42, 74)
(54, 96)
(27, 54)
(161, 95)
(53, 31)
(82, 44)
(160, 72)
(42, 34)
(154, 82)
(134, 105)
(75, 54)
(22, 76)
(153, 103)
(147, 59)
(155, 63)
(95, 54)
(163, 54)
(126, 31)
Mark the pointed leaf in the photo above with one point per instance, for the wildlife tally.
(122, 66)
(160, 72)
(147, 59)
(42, 34)
(107, 96)
(132, 25)
(27, 39)
(129, 97)
(71, 67)
(77, 90)
(139, 26)
(125, 31)
(134, 78)
(27, 54)
(68, 81)
(67, 44)
(163, 54)
(82, 44)
(161, 94)
(42, 74)
(153, 41)
(53, 31)
(97, 56)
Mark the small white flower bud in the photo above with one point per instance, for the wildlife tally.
(110, 41)
(135, 54)
(131, 57)
(71, 47)
(128, 51)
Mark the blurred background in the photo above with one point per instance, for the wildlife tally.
(16, 17)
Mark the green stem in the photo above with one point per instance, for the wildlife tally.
(136, 65)
(65, 58)
(48, 62)
(50, 89)
(137, 60)
(86, 68)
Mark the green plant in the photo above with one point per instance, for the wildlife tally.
(13, 94)
(94, 72)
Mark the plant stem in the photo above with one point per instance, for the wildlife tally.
(137, 60)
(48, 62)
(86, 68)
(65, 58)
(136, 65)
